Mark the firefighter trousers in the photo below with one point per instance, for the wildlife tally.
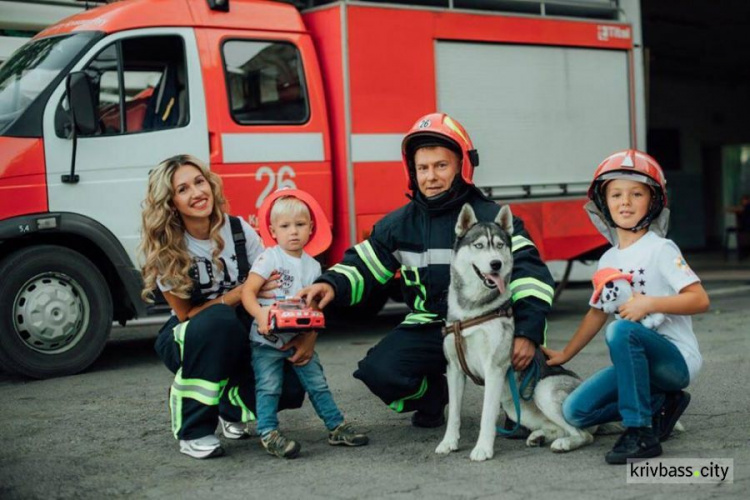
(210, 357)
(406, 369)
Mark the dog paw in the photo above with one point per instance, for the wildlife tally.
(536, 438)
(446, 446)
(560, 445)
(480, 453)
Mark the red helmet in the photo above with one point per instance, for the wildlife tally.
(439, 129)
(636, 166)
(321, 236)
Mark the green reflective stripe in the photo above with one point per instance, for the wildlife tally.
(175, 409)
(179, 336)
(236, 400)
(421, 292)
(356, 280)
(417, 318)
(398, 405)
(532, 293)
(531, 287)
(544, 337)
(202, 391)
(518, 242)
(367, 254)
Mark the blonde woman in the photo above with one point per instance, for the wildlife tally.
(198, 257)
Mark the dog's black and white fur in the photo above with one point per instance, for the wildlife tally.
(480, 274)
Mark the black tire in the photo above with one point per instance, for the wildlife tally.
(69, 332)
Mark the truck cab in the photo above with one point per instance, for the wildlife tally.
(90, 106)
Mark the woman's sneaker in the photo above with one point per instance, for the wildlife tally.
(347, 435)
(205, 447)
(277, 445)
(234, 430)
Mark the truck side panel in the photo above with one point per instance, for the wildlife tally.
(23, 186)
(254, 159)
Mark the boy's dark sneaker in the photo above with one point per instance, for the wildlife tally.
(277, 445)
(346, 435)
(428, 420)
(635, 443)
(520, 433)
(666, 418)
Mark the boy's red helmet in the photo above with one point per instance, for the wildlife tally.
(321, 236)
(633, 165)
(439, 129)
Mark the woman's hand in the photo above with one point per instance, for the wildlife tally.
(304, 345)
(555, 357)
(636, 308)
(267, 291)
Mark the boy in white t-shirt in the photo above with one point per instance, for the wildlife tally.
(291, 226)
(650, 368)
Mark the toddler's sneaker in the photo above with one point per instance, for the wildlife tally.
(205, 447)
(347, 435)
(277, 445)
(234, 430)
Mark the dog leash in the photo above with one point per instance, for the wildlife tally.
(455, 328)
(516, 394)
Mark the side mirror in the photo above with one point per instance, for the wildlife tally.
(81, 102)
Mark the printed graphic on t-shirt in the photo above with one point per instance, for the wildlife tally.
(203, 271)
(639, 275)
(286, 281)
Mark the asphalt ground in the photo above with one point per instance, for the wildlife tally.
(105, 433)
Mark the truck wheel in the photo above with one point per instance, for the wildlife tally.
(55, 312)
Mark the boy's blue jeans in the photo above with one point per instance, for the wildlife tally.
(268, 364)
(645, 365)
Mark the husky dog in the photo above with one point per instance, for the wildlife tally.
(480, 273)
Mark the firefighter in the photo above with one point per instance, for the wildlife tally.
(198, 257)
(406, 369)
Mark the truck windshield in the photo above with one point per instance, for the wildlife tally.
(32, 69)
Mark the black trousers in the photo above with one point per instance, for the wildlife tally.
(406, 369)
(210, 357)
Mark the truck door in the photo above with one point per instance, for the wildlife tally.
(149, 96)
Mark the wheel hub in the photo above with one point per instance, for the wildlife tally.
(51, 312)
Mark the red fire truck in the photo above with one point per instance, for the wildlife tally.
(272, 97)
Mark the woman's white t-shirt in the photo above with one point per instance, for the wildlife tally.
(215, 282)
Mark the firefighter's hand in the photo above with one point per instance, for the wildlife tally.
(268, 290)
(636, 308)
(322, 293)
(261, 321)
(555, 357)
(304, 348)
(523, 351)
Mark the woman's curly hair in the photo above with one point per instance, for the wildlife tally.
(163, 247)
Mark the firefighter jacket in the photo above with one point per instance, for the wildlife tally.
(417, 240)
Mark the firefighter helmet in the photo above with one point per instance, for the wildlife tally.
(439, 129)
(633, 165)
(321, 236)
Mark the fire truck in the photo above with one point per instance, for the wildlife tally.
(272, 96)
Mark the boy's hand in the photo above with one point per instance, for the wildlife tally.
(304, 345)
(262, 321)
(267, 291)
(636, 308)
(555, 357)
(323, 293)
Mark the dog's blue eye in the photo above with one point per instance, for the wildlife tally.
(499, 246)
(479, 245)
